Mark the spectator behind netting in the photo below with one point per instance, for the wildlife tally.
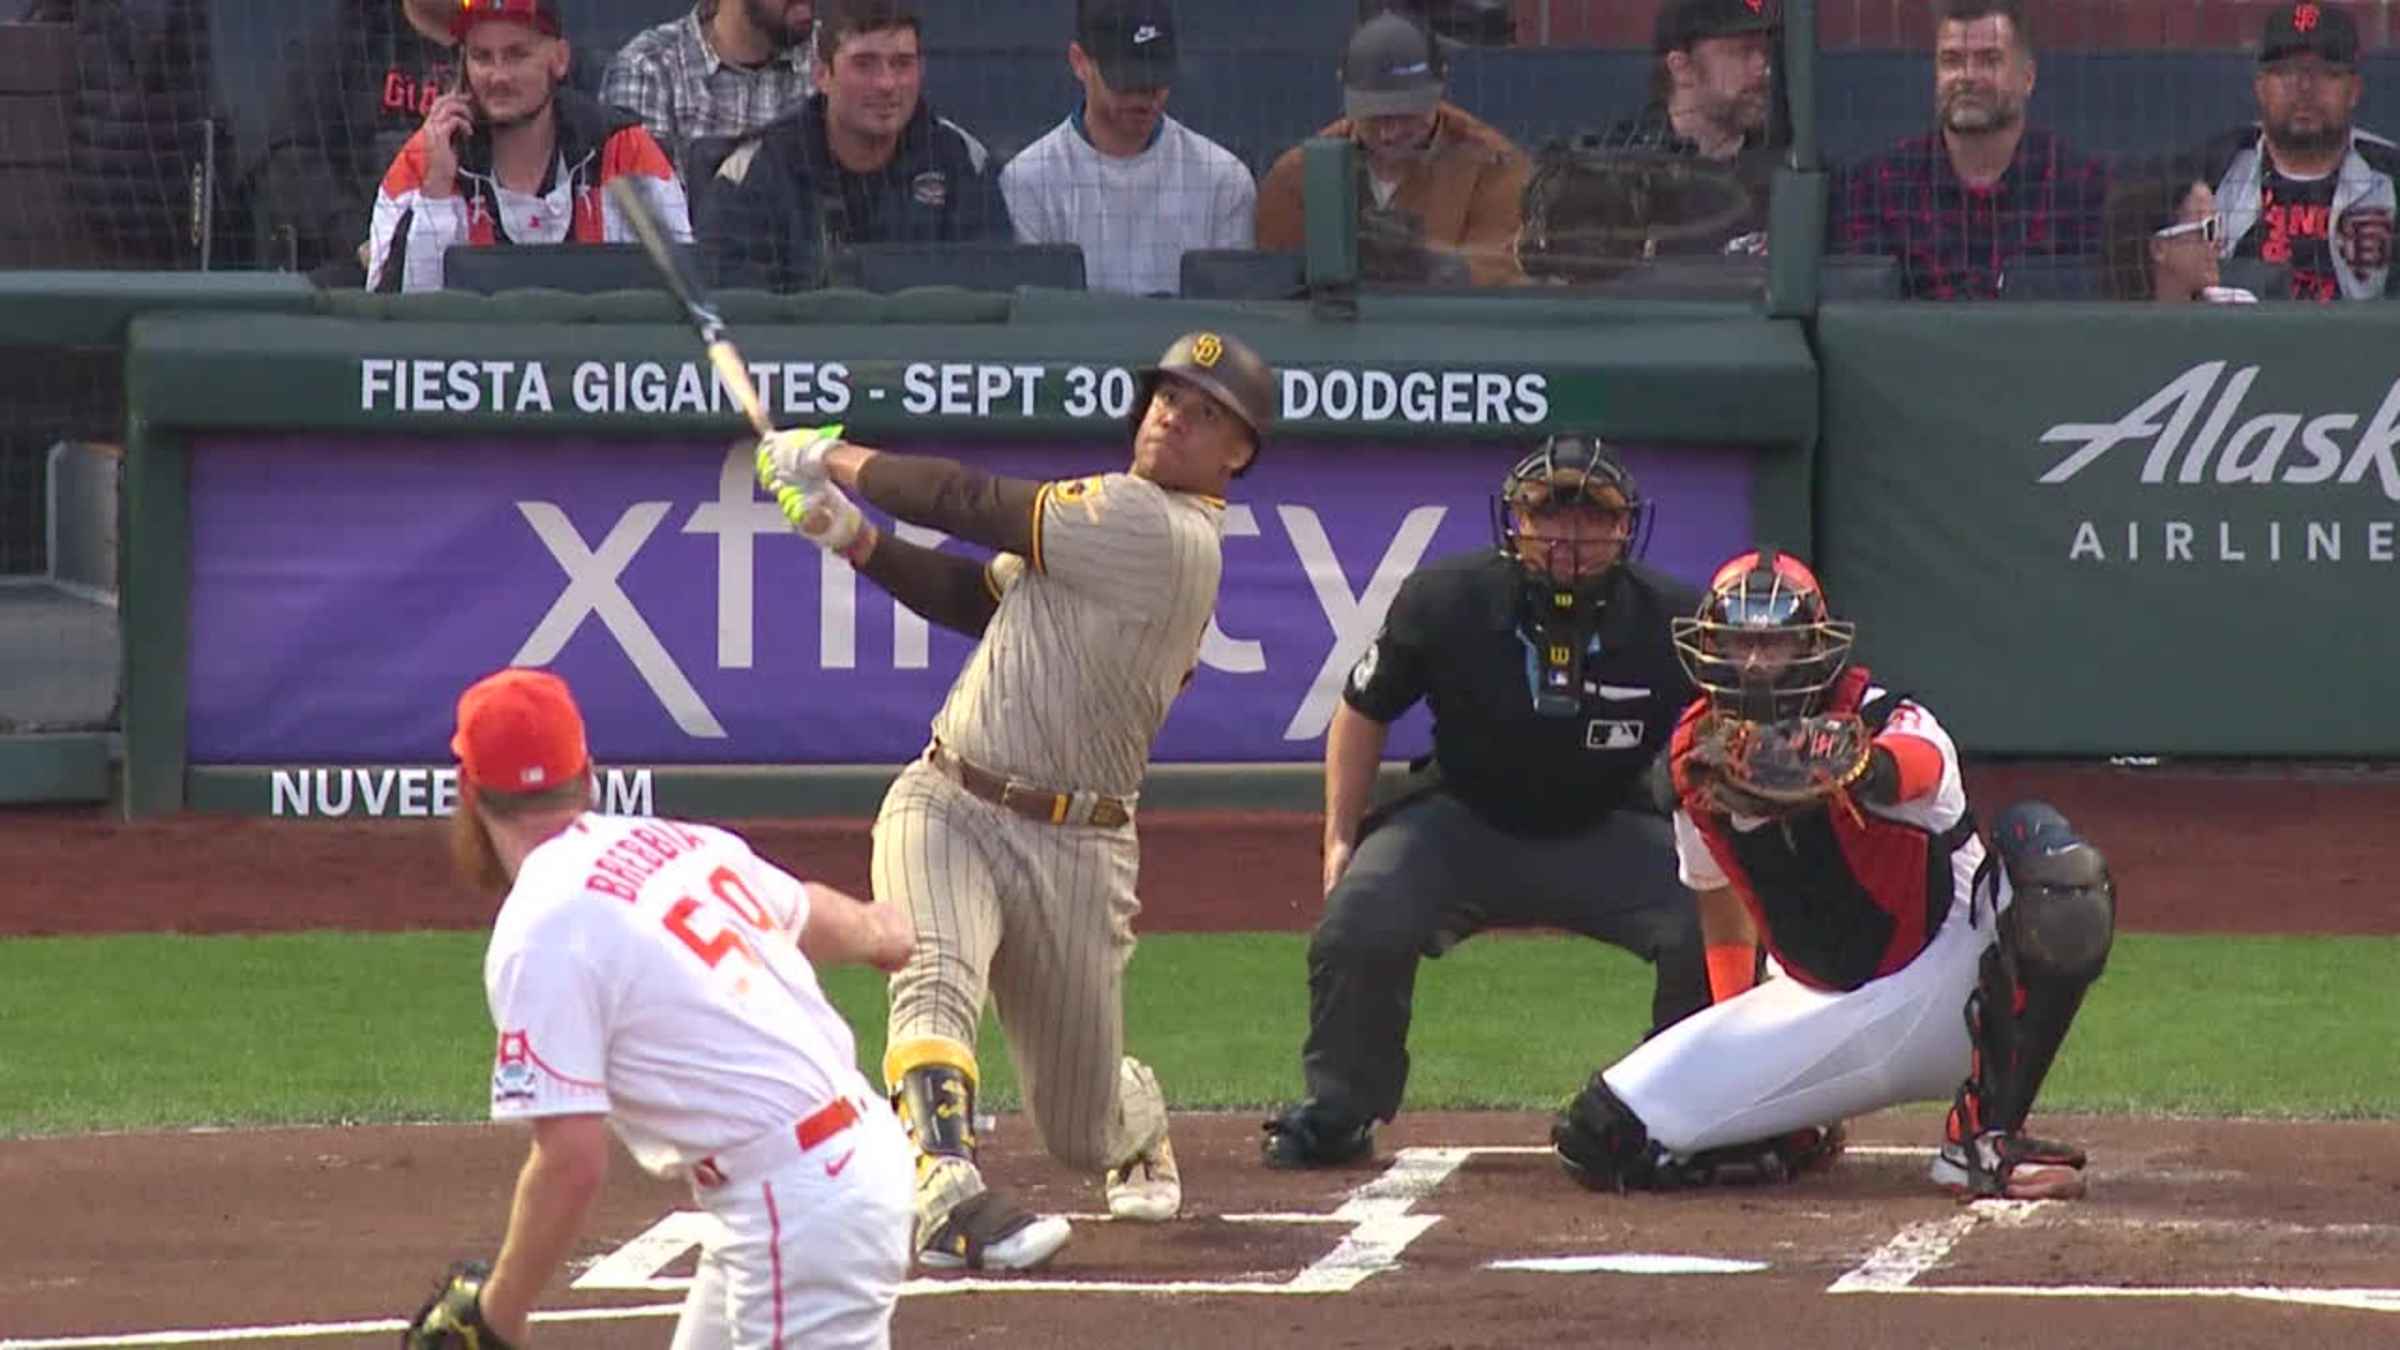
(1132, 186)
(2160, 233)
(2303, 186)
(865, 160)
(726, 69)
(1713, 83)
(137, 141)
(1441, 190)
(357, 86)
(1984, 193)
(513, 157)
(1712, 93)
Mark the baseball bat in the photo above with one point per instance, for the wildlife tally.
(675, 268)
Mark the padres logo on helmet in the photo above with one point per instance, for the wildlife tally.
(1206, 348)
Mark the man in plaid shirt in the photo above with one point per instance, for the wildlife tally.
(724, 70)
(1984, 194)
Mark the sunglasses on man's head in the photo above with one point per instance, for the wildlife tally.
(2206, 227)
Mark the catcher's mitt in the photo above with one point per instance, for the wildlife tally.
(453, 1318)
(1751, 768)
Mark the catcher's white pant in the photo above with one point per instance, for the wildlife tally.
(1783, 1056)
(811, 1248)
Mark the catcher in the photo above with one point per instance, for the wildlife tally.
(1823, 815)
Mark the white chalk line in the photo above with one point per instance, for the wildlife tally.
(1376, 1212)
(1379, 1215)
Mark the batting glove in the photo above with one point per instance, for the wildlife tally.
(825, 516)
(795, 458)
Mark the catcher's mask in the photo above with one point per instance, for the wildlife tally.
(1569, 512)
(1763, 646)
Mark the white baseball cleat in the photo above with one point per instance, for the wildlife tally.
(1149, 1189)
(990, 1232)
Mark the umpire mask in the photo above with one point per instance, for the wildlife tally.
(1567, 514)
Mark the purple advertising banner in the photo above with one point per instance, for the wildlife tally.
(344, 591)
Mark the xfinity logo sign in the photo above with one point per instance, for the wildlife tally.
(592, 572)
(2206, 444)
(2202, 439)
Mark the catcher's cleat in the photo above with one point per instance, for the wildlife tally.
(990, 1232)
(1307, 1136)
(1996, 1165)
(1149, 1189)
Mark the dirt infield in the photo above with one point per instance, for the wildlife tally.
(2199, 1233)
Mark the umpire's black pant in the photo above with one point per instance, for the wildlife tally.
(1434, 874)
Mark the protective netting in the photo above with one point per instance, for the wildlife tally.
(246, 134)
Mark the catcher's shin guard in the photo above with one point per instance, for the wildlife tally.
(2054, 942)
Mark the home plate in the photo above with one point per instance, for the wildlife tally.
(1631, 1263)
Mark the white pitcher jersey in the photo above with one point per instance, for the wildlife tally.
(648, 969)
(1097, 632)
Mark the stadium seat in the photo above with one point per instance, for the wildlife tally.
(1243, 274)
(2069, 278)
(883, 268)
(1859, 276)
(582, 269)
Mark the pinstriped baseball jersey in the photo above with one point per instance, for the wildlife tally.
(1097, 632)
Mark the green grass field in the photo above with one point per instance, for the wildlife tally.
(160, 1031)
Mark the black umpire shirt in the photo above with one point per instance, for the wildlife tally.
(1456, 637)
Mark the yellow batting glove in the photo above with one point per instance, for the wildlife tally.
(795, 458)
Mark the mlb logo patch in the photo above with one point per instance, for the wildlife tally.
(1604, 734)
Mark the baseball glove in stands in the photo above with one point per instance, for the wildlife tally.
(1779, 768)
(453, 1318)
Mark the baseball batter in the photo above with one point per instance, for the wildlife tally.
(657, 978)
(1011, 841)
(1918, 962)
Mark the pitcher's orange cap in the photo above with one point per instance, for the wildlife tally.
(519, 731)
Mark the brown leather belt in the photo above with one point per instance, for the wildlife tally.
(1025, 799)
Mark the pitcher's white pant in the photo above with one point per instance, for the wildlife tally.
(1783, 1056)
(811, 1252)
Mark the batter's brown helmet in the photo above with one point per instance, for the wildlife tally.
(1224, 368)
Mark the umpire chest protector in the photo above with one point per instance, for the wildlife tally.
(1842, 896)
(1545, 718)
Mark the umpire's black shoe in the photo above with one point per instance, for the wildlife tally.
(1309, 1136)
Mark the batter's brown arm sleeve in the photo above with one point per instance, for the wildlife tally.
(945, 588)
(946, 495)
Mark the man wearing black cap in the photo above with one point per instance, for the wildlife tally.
(2303, 187)
(1442, 187)
(1131, 185)
(1714, 81)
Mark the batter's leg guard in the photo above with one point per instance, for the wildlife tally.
(932, 1080)
(1602, 1144)
(2054, 941)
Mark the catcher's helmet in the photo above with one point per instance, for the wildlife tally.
(1222, 367)
(1731, 648)
(1568, 469)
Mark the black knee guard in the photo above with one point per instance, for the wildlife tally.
(937, 1106)
(2053, 943)
(1602, 1143)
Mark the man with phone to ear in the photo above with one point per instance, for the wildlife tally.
(513, 156)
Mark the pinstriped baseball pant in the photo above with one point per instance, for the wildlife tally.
(1039, 917)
